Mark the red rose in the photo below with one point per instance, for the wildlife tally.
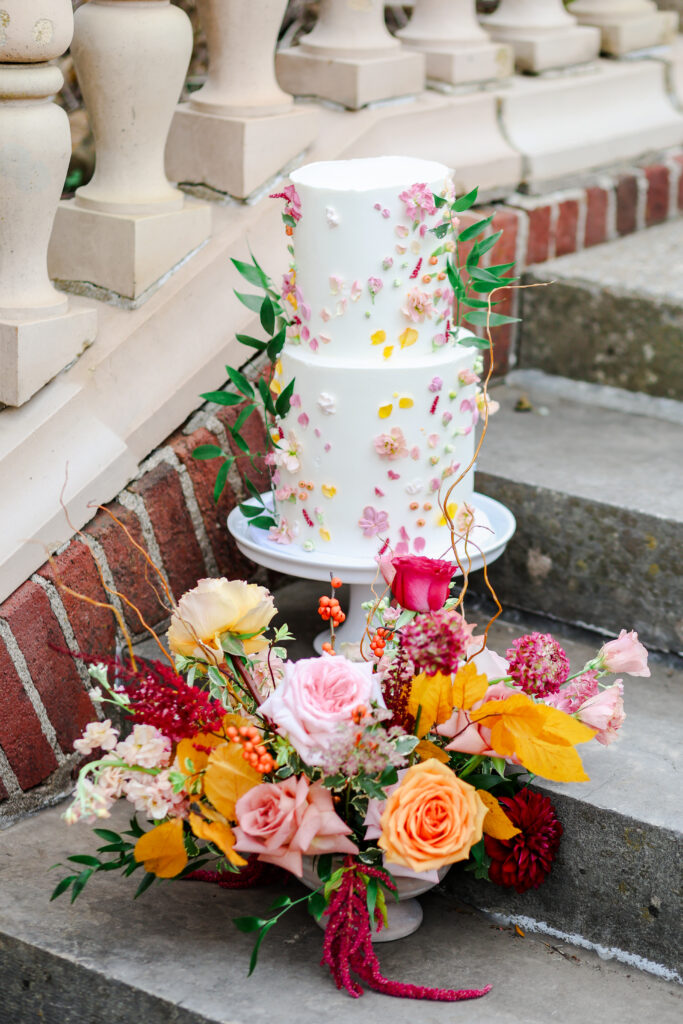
(420, 584)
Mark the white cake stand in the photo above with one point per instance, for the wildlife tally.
(359, 573)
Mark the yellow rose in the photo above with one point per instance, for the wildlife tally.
(219, 606)
(432, 818)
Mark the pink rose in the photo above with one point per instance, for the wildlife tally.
(282, 821)
(625, 654)
(474, 738)
(604, 712)
(419, 584)
(316, 696)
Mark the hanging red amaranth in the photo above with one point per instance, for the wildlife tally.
(348, 942)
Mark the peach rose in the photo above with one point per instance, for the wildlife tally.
(219, 606)
(431, 819)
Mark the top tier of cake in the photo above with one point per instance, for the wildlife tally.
(370, 283)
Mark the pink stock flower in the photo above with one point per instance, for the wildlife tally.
(288, 456)
(537, 663)
(373, 521)
(283, 821)
(418, 201)
(604, 712)
(468, 377)
(419, 584)
(418, 306)
(375, 285)
(572, 696)
(391, 446)
(283, 533)
(625, 654)
(145, 747)
(435, 384)
(97, 735)
(315, 697)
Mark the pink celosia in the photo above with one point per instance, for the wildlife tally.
(604, 712)
(625, 654)
(418, 306)
(283, 821)
(538, 664)
(391, 446)
(418, 201)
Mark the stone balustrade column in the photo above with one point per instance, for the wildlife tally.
(627, 25)
(457, 49)
(128, 227)
(542, 33)
(350, 57)
(39, 332)
(239, 129)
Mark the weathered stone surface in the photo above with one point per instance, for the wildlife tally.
(614, 313)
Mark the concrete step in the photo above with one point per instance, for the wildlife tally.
(593, 476)
(613, 314)
(173, 956)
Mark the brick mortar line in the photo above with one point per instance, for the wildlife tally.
(7, 776)
(60, 613)
(97, 551)
(135, 504)
(675, 169)
(642, 188)
(17, 656)
(581, 222)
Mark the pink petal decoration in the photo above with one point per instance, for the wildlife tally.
(313, 345)
(393, 476)
(325, 314)
(305, 334)
(317, 432)
(403, 534)
(295, 401)
(303, 419)
(379, 492)
(402, 548)
(419, 544)
(328, 446)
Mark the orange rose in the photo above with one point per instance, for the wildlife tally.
(431, 819)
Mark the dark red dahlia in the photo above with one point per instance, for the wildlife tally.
(524, 861)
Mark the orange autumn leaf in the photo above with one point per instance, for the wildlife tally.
(542, 737)
(496, 823)
(228, 777)
(426, 749)
(189, 752)
(431, 697)
(219, 834)
(468, 687)
(162, 850)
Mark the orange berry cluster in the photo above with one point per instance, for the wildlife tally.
(378, 643)
(329, 608)
(328, 648)
(253, 750)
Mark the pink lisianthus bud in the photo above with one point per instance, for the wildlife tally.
(625, 654)
(604, 712)
(421, 584)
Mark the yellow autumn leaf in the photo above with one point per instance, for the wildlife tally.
(468, 687)
(219, 834)
(431, 697)
(162, 850)
(496, 823)
(542, 737)
(228, 777)
(426, 749)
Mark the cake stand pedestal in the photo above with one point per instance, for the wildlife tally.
(359, 573)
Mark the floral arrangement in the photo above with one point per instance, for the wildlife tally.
(350, 774)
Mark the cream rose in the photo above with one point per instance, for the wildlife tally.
(219, 606)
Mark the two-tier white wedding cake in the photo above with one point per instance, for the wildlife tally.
(385, 397)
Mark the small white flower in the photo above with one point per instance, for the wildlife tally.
(414, 487)
(327, 403)
(332, 216)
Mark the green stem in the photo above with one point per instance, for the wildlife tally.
(473, 763)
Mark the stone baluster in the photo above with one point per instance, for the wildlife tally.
(457, 49)
(350, 58)
(39, 332)
(627, 25)
(542, 33)
(239, 129)
(128, 227)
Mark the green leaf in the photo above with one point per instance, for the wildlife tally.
(499, 765)
(239, 441)
(406, 744)
(474, 229)
(80, 883)
(465, 202)
(263, 522)
(243, 417)
(316, 905)
(501, 268)
(479, 274)
(487, 243)
(144, 884)
(456, 280)
(283, 400)
(324, 866)
(257, 945)
(222, 397)
(249, 511)
(373, 788)
(481, 318)
(333, 882)
(62, 886)
(266, 396)
(254, 275)
(438, 200)
(276, 344)
(484, 287)
(207, 451)
(119, 848)
(232, 645)
(334, 781)
(440, 230)
(474, 342)
(249, 924)
(280, 901)
(268, 315)
(107, 834)
(371, 891)
(389, 776)
(289, 220)
(481, 303)
(253, 302)
(84, 858)
(135, 828)
(221, 479)
(245, 339)
(240, 382)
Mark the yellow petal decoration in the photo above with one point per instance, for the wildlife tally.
(162, 850)
(408, 337)
(228, 777)
(468, 687)
(496, 823)
(431, 696)
(406, 402)
(219, 834)
(328, 490)
(426, 749)
(542, 737)
(385, 410)
(452, 509)
(387, 351)
(378, 337)
(324, 533)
